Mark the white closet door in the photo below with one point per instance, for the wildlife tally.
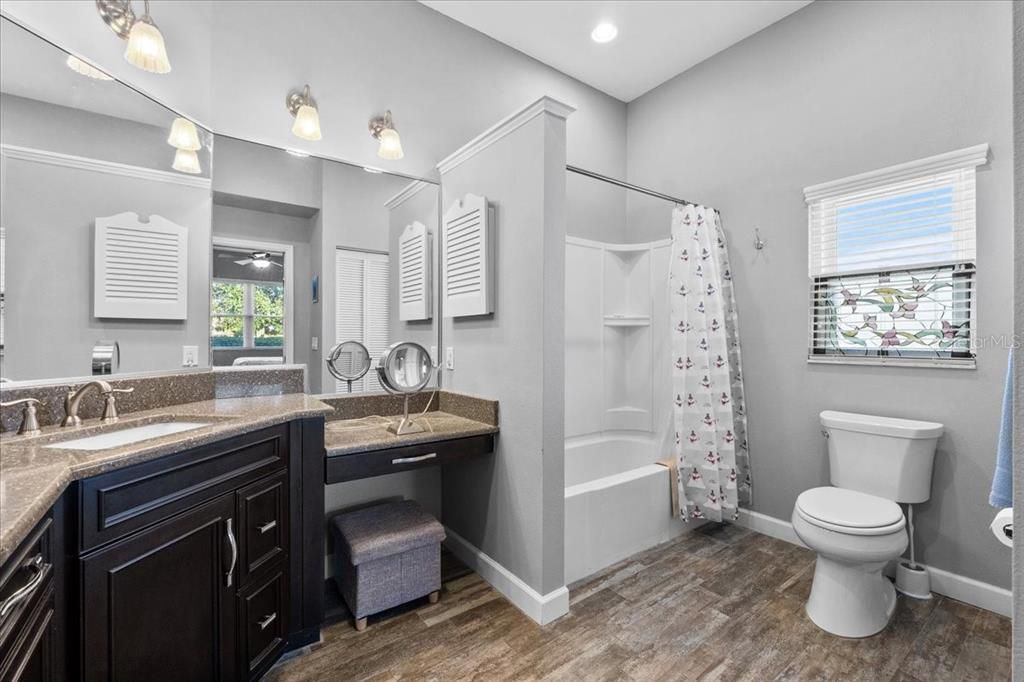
(361, 308)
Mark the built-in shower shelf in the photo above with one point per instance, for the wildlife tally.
(627, 417)
(627, 320)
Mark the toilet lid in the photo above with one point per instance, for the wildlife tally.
(849, 511)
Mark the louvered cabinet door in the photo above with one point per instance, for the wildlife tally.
(414, 273)
(141, 268)
(361, 306)
(467, 285)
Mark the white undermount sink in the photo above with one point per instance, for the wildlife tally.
(116, 439)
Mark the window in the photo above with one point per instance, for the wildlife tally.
(361, 307)
(247, 314)
(892, 263)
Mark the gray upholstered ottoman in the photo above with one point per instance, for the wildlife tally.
(387, 554)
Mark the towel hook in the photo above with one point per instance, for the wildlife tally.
(758, 242)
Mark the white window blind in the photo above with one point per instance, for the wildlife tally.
(361, 308)
(891, 260)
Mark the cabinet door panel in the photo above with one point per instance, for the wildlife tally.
(158, 606)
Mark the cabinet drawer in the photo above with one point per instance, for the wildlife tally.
(24, 578)
(377, 462)
(262, 524)
(263, 620)
(32, 657)
(115, 504)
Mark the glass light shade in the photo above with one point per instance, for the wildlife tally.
(186, 161)
(184, 135)
(80, 67)
(146, 48)
(260, 263)
(307, 123)
(390, 145)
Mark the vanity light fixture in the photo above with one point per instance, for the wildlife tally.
(186, 161)
(383, 130)
(145, 48)
(85, 69)
(184, 135)
(604, 32)
(302, 106)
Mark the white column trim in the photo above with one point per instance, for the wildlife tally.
(543, 608)
(504, 127)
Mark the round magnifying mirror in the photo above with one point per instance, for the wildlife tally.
(348, 361)
(405, 368)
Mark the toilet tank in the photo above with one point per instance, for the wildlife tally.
(883, 456)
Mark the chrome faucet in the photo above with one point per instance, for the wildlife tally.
(74, 398)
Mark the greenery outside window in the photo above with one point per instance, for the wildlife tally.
(246, 315)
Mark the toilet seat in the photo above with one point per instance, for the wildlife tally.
(849, 511)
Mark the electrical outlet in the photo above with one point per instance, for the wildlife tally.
(316, 343)
(449, 358)
(433, 356)
(190, 356)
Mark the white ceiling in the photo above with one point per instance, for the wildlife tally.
(657, 38)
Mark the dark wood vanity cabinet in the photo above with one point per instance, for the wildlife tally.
(200, 565)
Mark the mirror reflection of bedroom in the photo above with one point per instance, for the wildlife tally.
(248, 325)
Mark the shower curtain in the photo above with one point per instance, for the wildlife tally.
(707, 386)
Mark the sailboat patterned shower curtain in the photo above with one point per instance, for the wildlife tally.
(707, 386)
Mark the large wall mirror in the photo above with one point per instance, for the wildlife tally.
(121, 228)
(308, 253)
(105, 225)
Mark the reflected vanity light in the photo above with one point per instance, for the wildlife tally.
(604, 32)
(382, 129)
(184, 135)
(186, 161)
(371, 169)
(297, 153)
(87, 70)
(145, 48)
(303, 107)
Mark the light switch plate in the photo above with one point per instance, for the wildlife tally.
(190, 356)
(433, 356)
(316, 343)
(449, 358)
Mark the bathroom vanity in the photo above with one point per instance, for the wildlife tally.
(203, 547)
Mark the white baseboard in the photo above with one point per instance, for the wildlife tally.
(959, 587)
(768, 525)
(543, 608)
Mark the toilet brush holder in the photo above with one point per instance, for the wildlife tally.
(913, 581)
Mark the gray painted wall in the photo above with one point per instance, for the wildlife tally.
(49, 211)
(1018, 327)
(835, 89)
(50, 329)
(250, 170)
(511, 504)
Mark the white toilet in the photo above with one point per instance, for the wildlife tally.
(856, 527)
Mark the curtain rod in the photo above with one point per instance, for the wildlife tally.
(626, 185)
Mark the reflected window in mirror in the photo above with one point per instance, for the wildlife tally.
(247, 308)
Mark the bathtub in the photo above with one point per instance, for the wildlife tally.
(616, 502)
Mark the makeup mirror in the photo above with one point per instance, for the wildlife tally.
(348, 361)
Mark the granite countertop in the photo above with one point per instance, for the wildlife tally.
(366, 434)
(32, 477)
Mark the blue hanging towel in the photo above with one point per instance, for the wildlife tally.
(1002, 482)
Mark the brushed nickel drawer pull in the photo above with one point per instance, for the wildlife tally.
(229, 578)
(410, 460)
(36, 565)
(269, 525)
(267, 620)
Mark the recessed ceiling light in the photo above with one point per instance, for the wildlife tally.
(604, 33)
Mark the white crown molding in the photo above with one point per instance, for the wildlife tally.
(543, 608)
(504, 127)
(406, 193)
(969, 157)
(99, 166)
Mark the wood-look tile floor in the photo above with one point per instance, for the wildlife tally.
(721, 603)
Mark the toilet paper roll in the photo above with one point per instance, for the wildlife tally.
(1002, 527)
